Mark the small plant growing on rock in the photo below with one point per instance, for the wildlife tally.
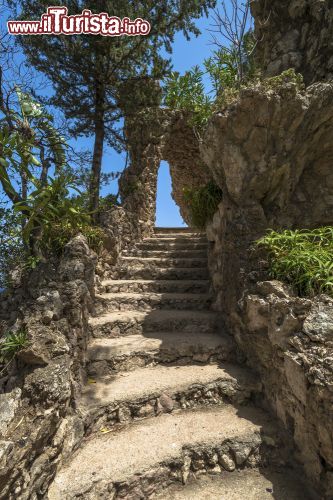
(202, 203)
(302, 258)
(11, 343)
(288, 76)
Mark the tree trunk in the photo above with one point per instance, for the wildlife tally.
(98, 150)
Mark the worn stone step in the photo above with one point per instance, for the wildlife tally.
(176, 230)
(107, 355)
(148, 301)
(156, 286)
(252, 484)
(166, 253)
(184, 239)
(146, 456)
(155, 244)
(122, 323)
(153, 272)
(193, 233)
(152, 391)
(153, 262)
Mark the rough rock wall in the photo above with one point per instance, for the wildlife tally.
(295, 34)
(182, 151)
(38, 426)
(154, 135)
(271, 153)
(289, 341)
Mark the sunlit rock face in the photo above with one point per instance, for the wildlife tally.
(273, 148)
(295, 34)
(271, 153)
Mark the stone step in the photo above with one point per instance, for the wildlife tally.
(176, 230)
(153, 272)
(107, 355)
(146, 456)
(168, 254)
(181, 234)
(252, 484)
(148, 301)
(156, 286)
(124, 323)
(155, 262)
(155, 244)
(184, 239)
(152, 391)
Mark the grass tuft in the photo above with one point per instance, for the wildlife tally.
(11, 343)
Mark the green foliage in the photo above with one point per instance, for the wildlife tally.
(227, 69)
(27, 136)
(31, 110)
(288, 76)
(302, 258)
(48, 205)
(202, 203)
(30, 262)
(108, 201)
(54, 217)
(12, 250)
(59, 234)
(46, 215)
(187, 93)
(11, 343)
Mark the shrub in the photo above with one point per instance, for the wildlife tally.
(202, 203)
(227, 69)
(54, 217)
(302, 258)
(187, 93)
(107, 202)
(57, 235)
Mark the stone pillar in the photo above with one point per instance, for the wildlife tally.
(138, 183)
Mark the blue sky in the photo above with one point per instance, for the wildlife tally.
(185, 55)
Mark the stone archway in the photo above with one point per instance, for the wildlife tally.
(154, 135)
(167, 210)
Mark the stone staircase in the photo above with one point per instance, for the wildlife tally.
(168, 412)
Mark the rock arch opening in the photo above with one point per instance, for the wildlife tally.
(167, 211)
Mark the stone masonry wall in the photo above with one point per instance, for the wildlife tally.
(121, 231)
(38, 426)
